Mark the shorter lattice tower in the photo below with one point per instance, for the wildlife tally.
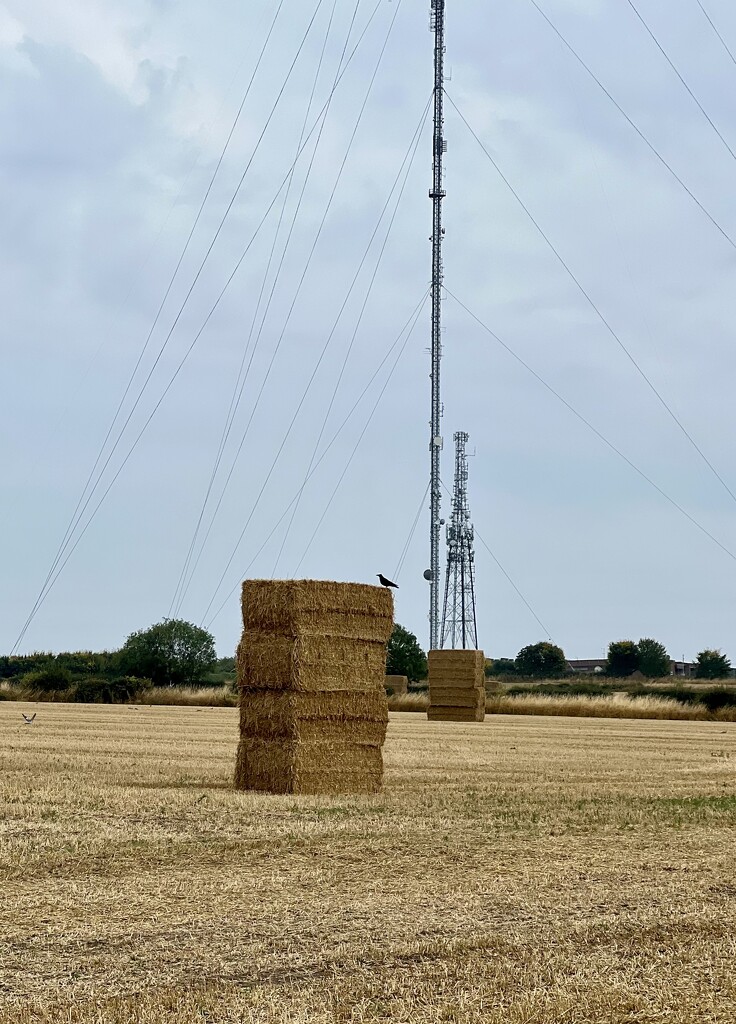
(459, 626)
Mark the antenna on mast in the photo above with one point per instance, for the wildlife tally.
(437, 194)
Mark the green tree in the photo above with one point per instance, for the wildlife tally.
(90, 663)
(654, 661)
(21, 664)
(717, 698)
(101, 690)
(404, 656)
(171, 653)
(623, 658)
(541, 661)
(224, 673)
(501, 667)
(52, 678)
(712, 665)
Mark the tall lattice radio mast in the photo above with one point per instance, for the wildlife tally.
(437, 194)
(459, 625)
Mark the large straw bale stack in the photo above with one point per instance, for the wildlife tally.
(311, 666)
(397, 684)
(456, 686)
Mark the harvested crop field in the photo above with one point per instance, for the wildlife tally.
(524, 869)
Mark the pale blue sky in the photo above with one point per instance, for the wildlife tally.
(112, 117)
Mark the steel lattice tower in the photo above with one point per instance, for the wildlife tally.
(459, 626)
(437, 194)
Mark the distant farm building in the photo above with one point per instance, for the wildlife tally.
(595, 666)
(588, 667)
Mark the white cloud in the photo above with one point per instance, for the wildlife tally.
(11, 38)
(11, 30)
(111, 35)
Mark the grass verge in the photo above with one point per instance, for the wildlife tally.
(617, 705)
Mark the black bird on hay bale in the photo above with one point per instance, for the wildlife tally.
(386, 583)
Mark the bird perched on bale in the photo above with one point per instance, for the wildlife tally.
(386, 583)
(28, 720)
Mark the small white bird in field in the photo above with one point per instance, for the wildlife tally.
(28, 720)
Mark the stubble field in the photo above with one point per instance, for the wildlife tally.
(532, 870)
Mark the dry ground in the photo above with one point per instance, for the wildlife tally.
(524, 870)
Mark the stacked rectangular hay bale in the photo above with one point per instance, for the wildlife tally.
(397, 684)
(311, 666)
(456, 686)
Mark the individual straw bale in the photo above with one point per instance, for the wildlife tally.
(359, 717)
(441, 690)
(437, 714)
(458, 661)
(309, 768)
(355, 611)
(465, 706)
(456, 676)
(457, 698)
(445, 714)
(397, 684)
(339, 754)
(456, 668)
(310, 663)
(457, 656)
(370, 734)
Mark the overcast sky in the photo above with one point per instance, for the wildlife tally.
(113, 116)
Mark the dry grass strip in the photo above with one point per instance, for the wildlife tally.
(418, 702)
(615, 706)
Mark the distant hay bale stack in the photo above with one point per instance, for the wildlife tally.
(456, 686)
(311, 667)
(397, 684)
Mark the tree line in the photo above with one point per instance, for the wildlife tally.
(546, 660)
(625, 657)
(176, 653)
(170, 653)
